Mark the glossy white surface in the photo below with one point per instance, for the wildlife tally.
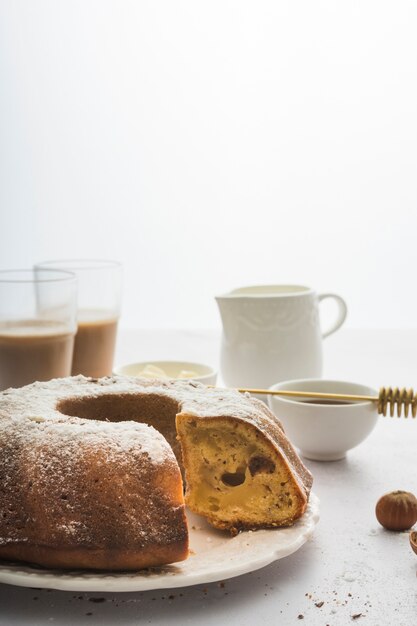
(325, 432)
(351, 564)
(273, 333)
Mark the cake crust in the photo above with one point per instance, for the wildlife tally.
(86, 493)
(89, 468)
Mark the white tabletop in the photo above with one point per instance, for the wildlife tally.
(352, 571)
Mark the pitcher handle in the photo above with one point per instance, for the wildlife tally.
(342, 313)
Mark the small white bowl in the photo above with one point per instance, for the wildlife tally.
(324, 432)
(204, 373)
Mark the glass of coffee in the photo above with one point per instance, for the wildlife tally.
(99, 300)
(37, 325)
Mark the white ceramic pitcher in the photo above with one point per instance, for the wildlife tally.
(272, 333)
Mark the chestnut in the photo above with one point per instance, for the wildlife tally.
(397, 510)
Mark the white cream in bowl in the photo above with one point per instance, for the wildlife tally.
(163, 370)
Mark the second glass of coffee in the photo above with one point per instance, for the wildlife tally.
(99, 299)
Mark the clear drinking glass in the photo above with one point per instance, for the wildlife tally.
(99, 300)
(37, 325)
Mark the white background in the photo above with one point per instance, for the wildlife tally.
(209, 145)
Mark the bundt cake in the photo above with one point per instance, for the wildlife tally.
(89, 476)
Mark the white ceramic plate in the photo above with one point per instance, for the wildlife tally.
(215, 556)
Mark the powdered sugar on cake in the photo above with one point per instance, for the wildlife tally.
(35, 409)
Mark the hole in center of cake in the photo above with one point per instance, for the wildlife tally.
(153, 409)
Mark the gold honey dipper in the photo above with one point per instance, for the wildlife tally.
(394, 398)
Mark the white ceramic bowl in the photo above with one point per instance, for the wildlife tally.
(204, 373)
(325, 432)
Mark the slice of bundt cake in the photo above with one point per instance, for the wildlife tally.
(241, 472)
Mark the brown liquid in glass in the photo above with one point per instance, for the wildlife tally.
(94, 347)
(33, 350)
